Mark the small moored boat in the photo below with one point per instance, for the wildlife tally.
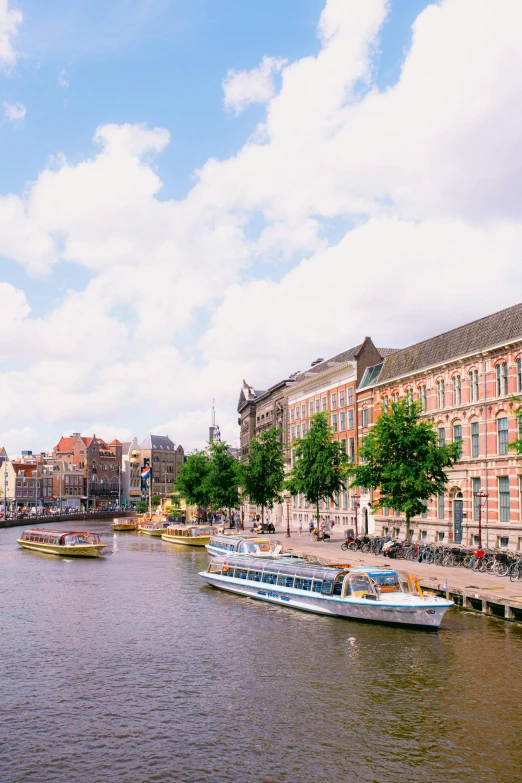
(188, 535)
(253, 546)
(58, 542)
(370, 594)
(124, 523)
(153, 529)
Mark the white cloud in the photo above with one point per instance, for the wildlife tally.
(15, 441)
(63, 79)
(421, 183)
(14, 111)
(9, 21)
(240, 88)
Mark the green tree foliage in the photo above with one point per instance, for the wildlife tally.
(263, 476)
(516, 445)
(141, 506)
(320, 465)
(222, 480)
(402, 459)
(192, 480)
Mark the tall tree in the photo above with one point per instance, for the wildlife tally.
(191, 481)
(263, 476)
(222, 479)
(401, 457)
(320, 464)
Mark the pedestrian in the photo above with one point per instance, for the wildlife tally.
(311, 527)
(300, 527)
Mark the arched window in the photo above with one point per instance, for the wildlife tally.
(441, 394)
(423, 398)
(104, 484)
(114, 483)
(457, 436)
(473, 386)
(519, 375)
(457, 389)
(502, 379)
(475, 439)
(502, 434)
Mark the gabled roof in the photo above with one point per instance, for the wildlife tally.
(64, 444)
(115, 443)
(496, 329)
(160, 442)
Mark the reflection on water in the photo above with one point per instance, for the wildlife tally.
(127, 669)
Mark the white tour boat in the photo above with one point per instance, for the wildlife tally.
(372, 594)
(253, 546)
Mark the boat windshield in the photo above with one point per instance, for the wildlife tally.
(360, 585)
(408, 583)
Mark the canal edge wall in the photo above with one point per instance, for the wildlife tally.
(48, 519)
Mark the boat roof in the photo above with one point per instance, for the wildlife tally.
(297, 567)
(59, 532)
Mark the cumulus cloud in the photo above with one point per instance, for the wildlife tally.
(63, 79)
(9, 21)
(382, 212)
(14, 111)
(241, 88)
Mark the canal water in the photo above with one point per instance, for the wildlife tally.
(127, 669)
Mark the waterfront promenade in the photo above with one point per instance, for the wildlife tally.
(481, 592)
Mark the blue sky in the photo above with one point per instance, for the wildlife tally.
(185, 267)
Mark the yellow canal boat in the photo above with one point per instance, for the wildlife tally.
(152, 529)
(58, 542)
(188, 535)
(124, 523)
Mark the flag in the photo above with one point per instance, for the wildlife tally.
(145, 473)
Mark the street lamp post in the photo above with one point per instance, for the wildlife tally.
(119, 486)
(481, 501)
(356, 505)
(288, 518)
(5, 491)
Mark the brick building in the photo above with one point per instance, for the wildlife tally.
(99, 463)
(465, 379)
(165, 459)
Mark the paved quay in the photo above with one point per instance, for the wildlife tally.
(485, 593)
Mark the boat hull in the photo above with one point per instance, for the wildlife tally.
(425, 613)
(187, 540)
(120, 528)
(81, 550)
(156, 532)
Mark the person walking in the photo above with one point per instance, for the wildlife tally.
(300, 527)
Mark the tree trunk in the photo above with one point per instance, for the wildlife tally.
(317, 516)
(262, 517)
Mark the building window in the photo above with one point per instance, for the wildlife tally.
(298, 431)
(396, 513)
(333, 401)
(304, 429)
(291, 415)
(317, 406)
(473, 386)
(475, 439)
(502, 379)
(425, 512)
(297, 411)
(350, 419)
(502, 433)
(395, 397)
(350, 395)
(441, 395)
(457, 436)
(311, 408)
(365, 417)
(503, 498)
(440, 536)
(342, 421)
(457, 390)
(324, 403)
(334, 422)
(475, 485)
(303, 411)
(519, 375)
(441, 436)
(341, 398)
(423, 398)
(385, 511)
(385, 404)
(292, 433)
(345, 497)
(440, 505)
(503, 541)
(351, 449)
(343, 445)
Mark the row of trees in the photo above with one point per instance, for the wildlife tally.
(401, 458)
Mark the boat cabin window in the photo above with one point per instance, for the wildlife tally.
(338, 585)
(269, 578)
(240, 573)
(327, 587)
(285, 580)
(408, 583)
(359, 585)
(387, 583)
(216, 568)
(316, 585)
(254, 576)
(302, 584)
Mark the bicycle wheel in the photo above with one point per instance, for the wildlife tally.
(514, 572)
(352, 546)
(365, 548)
(501, 568)
(428, 556)
(475, 563)
(344, 546)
